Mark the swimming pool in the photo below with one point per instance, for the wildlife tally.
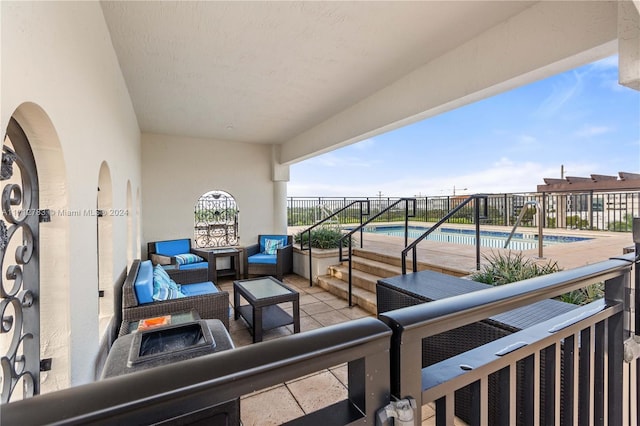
(496, 239)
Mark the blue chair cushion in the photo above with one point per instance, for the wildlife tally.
(164, 288)
(194, 266)
(173, 247)
(143, 285)
(272, 246)
(263, 242)
(198, 289)
(263, 258)
(188, 258)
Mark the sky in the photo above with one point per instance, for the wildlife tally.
(581, 119)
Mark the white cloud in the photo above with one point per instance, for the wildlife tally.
(527, 139)
(588, 131)
(364, 145)
(607, 63)
(561, 94)
(504, 176)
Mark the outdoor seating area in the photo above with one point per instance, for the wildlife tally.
(314, 308)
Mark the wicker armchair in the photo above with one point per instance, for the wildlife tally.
(258, 263)
(208, 306)
(164, 253)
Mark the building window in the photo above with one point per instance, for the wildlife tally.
(216, 220)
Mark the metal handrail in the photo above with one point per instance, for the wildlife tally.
(446, 217)
(361, 227)
(520, 216)
(308, 231)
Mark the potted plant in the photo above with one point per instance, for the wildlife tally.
(325, 241)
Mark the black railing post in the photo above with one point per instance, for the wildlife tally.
(636, 240)
(310, 263)
(350, 280)
(477, 220)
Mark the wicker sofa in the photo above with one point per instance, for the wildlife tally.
(209, 301)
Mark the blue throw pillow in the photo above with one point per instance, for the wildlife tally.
(272, 246)
(164, 288)
(187, 258)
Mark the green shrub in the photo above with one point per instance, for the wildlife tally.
(322, 238)
(585, 295)
(512, 267)
(624, 226)
(577, 222)
(505, 269)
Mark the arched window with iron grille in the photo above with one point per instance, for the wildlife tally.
(216, 220)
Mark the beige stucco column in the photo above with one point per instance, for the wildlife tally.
(280, 177)
(629, 44)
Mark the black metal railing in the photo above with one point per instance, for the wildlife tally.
(348, 236)
(604, 211)
(336, 214)
(580, 354)
(182, 393)
(479, 200)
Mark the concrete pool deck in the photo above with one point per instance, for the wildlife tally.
(460, 257)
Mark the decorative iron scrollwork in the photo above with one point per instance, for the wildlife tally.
(216, 220)
(19, 275)
(8, 157)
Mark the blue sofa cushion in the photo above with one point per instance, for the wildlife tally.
(263, 241)
(173, 247)
(198, 289)
(188, 258)
(143, 285)
(263, 258)
(164, 288)
(194, 266)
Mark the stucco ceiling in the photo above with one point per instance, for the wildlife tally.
(264, 72)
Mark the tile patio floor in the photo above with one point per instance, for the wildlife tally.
(295, 398)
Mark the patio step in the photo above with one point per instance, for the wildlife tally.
(374, 267)
(361, 279)
(367, 268)
(395, 260)
(361, 297)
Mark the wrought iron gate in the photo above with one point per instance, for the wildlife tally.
(216, 220)
(19, 272)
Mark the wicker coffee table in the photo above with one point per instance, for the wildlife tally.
(263, 313)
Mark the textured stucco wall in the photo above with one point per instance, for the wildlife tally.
(176, 171)
(60, 77)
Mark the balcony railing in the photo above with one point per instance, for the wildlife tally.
(604, 211)
(569, 370)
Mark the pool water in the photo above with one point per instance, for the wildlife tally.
(496, 239)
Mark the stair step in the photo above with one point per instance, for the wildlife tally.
(375, 267)
(363, 298)
(359, 278)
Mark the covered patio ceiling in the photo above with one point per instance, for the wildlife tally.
(313, 76)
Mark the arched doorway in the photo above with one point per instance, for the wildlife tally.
(104, 229)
